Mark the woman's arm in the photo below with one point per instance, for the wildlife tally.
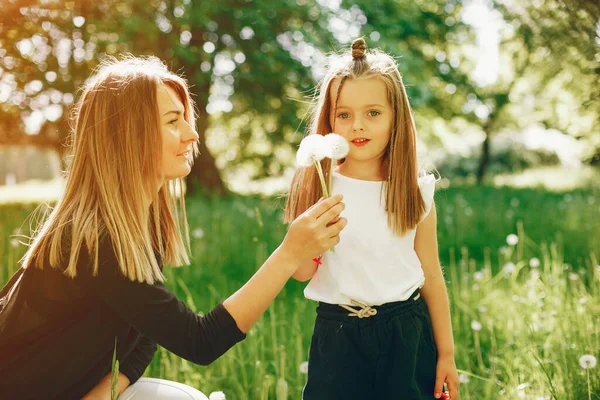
(155, 312)
(311, 234)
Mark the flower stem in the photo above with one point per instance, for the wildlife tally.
(322, 178)
(331, 177)
(589, 388)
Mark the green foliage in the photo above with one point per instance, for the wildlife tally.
(527, 312)
(114, 378)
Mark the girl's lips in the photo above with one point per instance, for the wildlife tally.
(360, 142)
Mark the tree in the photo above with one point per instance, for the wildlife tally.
(542, 45)
(231, 53)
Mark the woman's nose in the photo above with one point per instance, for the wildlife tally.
(189, 134)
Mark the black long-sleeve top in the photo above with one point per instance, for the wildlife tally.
(57, 334)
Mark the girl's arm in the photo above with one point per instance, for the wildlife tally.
(434, 291)
(435, 295)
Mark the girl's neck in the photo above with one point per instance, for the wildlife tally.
(367, 171)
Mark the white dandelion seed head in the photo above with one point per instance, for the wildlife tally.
(478, 275)
(14, 243)
(463, 378)
(512, 239)
(504, 250)
(217, 396)
(311, 150)
(197, 233)
(509, 268)
(587, 361)
(336, 146)
(534, 262)
(573, 276)
(476, 326)
(303, 368)
(482, 309)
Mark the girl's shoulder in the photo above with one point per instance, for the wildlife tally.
(427, 183)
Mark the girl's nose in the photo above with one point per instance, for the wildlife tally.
(357, 125)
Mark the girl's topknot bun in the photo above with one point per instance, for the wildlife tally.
(359, 47)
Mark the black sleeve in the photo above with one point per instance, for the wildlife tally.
(155, 312)
(138, 360)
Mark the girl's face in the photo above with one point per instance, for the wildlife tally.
(364, 117)
(177, 135)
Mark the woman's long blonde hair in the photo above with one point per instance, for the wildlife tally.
(111, 183)
(404, 203)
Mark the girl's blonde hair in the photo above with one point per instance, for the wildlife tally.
(111, 183)
(404, 204)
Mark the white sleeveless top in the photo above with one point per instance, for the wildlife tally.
(370, 264)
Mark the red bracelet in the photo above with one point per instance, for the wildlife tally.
(318, 260)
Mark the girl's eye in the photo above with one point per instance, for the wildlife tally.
(172, 122)
(374, 113)
(344, 115)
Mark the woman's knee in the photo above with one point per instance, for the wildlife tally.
(154, 389)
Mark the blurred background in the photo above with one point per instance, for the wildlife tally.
(498, 88)
(506, 98)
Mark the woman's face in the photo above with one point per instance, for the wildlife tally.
(177, 135)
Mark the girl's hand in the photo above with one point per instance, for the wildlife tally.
(316, 230)
(446, 372)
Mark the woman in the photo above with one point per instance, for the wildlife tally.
(93, 273)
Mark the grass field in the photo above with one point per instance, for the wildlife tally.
(521, 266)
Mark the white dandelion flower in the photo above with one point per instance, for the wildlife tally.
(217, 396)
(476, 326)
(197, 233)
(336, 147)
(462, 378)
(311, 150)
(482, 309)
(478, 275)
(534, 262)
(14, 243)
(587, 361)
(512, 239)
(303, 368)
(509, 268)
(573, 276)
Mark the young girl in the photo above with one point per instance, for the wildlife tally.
(383, 326)
(93, 274)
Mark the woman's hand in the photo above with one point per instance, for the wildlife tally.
(316, 230)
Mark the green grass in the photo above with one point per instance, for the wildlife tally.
(535, 322)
